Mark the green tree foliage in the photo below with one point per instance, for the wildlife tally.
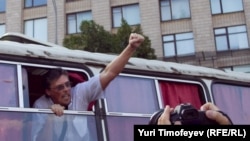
(94, 38)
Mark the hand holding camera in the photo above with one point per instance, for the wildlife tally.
(186, 114)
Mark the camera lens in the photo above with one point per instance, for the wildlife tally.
(190, 114)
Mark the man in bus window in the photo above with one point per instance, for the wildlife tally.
(59, 94)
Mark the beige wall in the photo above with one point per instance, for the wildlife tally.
(13, 18)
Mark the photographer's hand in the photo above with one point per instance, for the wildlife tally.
(212, 112)
(165, 116)
(164, 119)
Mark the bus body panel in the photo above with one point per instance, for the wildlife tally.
(143, 87)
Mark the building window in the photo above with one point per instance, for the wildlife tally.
(226, 6)
(231, 38)
(174, 9)
(74, 21)
(2, 29)
(34, 3)
(36, 28)
(178, 44)
(2, 5)
(240, 68)
(130, 13)
(71, 0)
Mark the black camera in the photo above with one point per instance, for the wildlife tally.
(186, 114)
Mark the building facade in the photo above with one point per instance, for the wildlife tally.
(211, 33)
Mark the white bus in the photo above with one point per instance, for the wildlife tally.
(144, 86)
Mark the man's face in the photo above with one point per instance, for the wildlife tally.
(60, 91)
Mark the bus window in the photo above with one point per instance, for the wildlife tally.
(67, 127)
(24, 126)
(11, 124)
(132, 95)
(119, 127)
(36, 77)
(233, 100)
(175, 93)
(8, 85)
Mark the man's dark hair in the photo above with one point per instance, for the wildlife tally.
(52, 75)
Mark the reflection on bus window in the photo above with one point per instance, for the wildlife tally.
(120, 128)
(8, 86)
(20, 126)
(233, 100)
(125, 93)
(50, 127)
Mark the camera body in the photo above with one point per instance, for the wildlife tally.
(186, 114)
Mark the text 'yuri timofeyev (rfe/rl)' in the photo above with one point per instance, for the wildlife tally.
(191, 132)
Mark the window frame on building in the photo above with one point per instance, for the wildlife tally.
(71, 0)
(119, 13)
(32, 3)
(169, 10)
(238, 68)
(76, 23)
(2, 29)
(2, 6)
(226, 6)
(39, 32)
(229, 35)
(174, 40)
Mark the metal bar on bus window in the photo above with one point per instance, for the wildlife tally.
(20, 86)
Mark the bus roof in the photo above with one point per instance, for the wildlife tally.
(21, 45)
